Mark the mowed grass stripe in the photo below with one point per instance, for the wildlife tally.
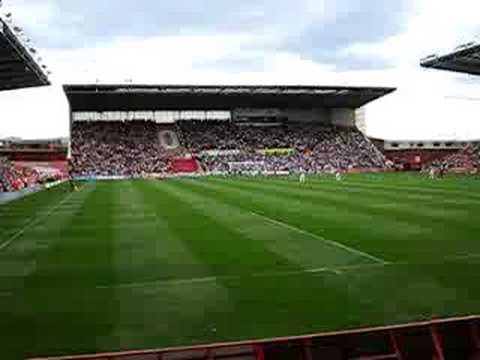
(164, 255)
(35, 237)
(300, 247)
(378, 202)
(372, 192)
(33, 222)
(269, 276)
(224, 249)
(319, 217)
(433, 281)
(434, 236)
(65, 280)
(445, 222)
(238, 302)
(446, 197)
(85, 293)
(417, 182)
(259, 306)
(151, 253)
(20, 256)
(67, 259)
(52, 291)
(16, 214)
(322, 239)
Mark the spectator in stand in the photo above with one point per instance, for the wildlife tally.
(117, 148)
(467, 158)
(316, 147)
(16, 178)
(132, 148)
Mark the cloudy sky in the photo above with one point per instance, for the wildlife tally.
(318, 42)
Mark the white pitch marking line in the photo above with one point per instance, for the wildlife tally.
(313, 271)
(32, 223)
(337, 271)
(321, 238)
(465, 257)
(160, 282)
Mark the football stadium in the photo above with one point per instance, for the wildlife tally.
(235, 222)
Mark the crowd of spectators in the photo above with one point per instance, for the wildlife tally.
(115, 148)
(475, 155)
(467, 158)
(132, 148)
(315, 147)
(224, 135)
(14, 178)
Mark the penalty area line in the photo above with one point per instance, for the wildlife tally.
(321, 238)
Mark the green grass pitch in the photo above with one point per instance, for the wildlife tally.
(141, 264)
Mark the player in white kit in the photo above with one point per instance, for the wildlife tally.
(302, 177)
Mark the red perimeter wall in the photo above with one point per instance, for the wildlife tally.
(454, 338)
(415, 159)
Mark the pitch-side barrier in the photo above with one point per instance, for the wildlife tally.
(12, 196)
(453, 338)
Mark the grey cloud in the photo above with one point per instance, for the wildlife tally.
(289, 25)
(90, 20)
(354, 21)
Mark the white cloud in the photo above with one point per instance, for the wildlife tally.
(145, 60)
(169, 59)
(36, 14)
(427, 103)
(34, 113)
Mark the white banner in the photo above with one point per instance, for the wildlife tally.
(219, 152)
